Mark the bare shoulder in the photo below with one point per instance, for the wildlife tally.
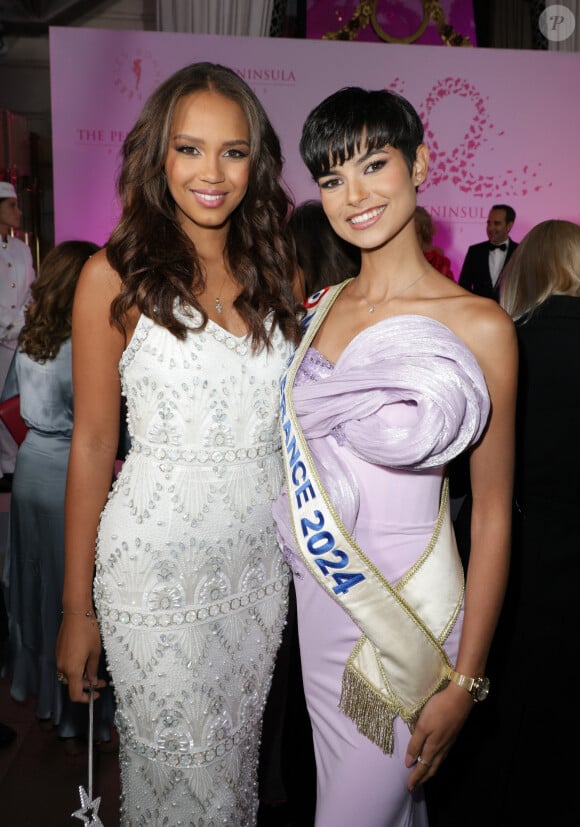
(98, 279)
(483, 320)
(99, 284)
(485, 327)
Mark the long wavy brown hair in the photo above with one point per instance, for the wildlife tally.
(156, 260)
(48, 316)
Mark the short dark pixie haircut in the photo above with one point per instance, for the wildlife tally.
(353, 117)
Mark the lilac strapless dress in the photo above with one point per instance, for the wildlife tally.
(404, 398)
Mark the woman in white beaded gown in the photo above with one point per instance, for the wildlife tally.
(189, 312)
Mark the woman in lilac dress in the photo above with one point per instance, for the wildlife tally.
(400, 371)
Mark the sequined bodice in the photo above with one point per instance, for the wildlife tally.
(195, 414)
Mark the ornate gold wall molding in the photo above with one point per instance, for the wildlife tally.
(366, 12)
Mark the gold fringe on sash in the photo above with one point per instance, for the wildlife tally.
(370, 711)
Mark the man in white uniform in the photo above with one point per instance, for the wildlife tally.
(16, 276)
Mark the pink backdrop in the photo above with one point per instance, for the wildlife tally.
(501, 125)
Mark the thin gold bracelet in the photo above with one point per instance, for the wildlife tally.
(88, 613)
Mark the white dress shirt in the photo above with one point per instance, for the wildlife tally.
(496, 261)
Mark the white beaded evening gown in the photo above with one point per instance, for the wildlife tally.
(190, 587)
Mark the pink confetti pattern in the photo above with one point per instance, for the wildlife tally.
(458, 164)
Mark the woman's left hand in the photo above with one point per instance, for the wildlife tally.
(435, 732)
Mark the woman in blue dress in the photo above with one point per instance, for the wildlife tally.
(41, 373)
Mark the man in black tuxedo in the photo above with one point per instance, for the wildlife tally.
(480, 274)
(484, 262)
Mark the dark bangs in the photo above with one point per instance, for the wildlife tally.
(355, 118)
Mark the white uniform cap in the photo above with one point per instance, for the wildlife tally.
(7, 190)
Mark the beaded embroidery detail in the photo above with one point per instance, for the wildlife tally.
(190, 586)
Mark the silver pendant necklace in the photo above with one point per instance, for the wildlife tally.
(218, 302)
(374, 305)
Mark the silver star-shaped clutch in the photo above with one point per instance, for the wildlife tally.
(89, 811)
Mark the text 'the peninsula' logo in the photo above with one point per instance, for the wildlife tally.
(266, 78)
(136, 74)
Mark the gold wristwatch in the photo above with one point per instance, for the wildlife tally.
(478, 688)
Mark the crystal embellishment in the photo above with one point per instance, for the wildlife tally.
(190, 585)
(89, 810)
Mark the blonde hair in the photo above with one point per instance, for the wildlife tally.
(546, 262)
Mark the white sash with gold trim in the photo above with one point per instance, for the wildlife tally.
(399, 661)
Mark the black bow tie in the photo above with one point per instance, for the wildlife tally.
(502, 247)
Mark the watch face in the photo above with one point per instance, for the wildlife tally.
(481, 689)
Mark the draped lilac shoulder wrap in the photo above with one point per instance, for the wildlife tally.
(404, 360)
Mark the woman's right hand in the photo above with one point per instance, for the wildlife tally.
(78, 649)
(94, 444)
